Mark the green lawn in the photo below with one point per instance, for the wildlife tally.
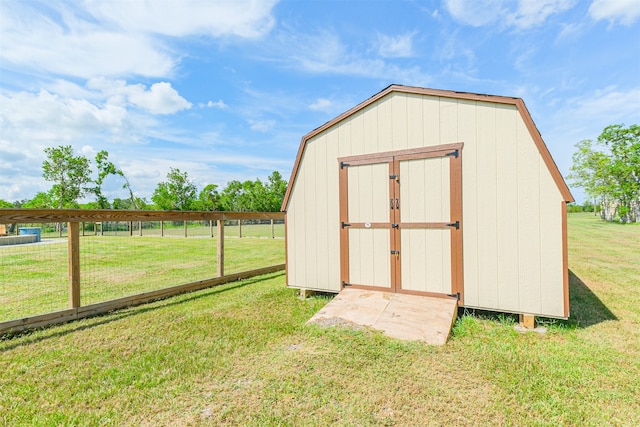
(241, 354)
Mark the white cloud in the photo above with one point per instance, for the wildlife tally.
(321, 104)
(48, 117)
(261, 125)
(109, 38)
(624, 11)
(527, 14)
(242, 18)
(217, 104)
(475, 12)
(325, 53)
(531, 13)
(395, 46)
(160, 99)
(30, 39)
(607, 106)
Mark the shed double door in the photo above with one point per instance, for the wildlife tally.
(401, 221)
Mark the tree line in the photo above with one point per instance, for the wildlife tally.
(609, 172)
(73, 178)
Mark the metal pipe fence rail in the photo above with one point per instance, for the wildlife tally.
(81, 270)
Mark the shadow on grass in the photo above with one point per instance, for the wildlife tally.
(585, 306)
(125, 312)
(586, 309)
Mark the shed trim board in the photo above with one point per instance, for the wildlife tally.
(514, 242)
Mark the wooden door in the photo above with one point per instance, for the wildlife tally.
(401, 221)
(365, 226)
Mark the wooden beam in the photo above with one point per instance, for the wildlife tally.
(528, 321)
(15, 215)
(220, 224)
(306, 293)
(73, 240)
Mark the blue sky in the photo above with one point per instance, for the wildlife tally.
(224, 90)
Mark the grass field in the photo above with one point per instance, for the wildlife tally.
(241, 354)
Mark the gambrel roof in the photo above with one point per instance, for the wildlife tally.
(517, 102)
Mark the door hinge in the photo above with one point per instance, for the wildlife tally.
(453, 153)
(344, 165)
(454, 224)
(344, 224)
(345, 284)
(456, 295)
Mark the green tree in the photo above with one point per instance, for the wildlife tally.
(140, 203)
(69, 173)
(255, 195)
(611, 177)
(42, 200)
(624, 167)
(231, 197)
(105, 168)
(177, 193)
(209, 198)
(276, 189)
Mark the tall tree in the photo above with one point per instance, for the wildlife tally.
(105, 168)
(276, 188)
(69, 173)
(177, 193)
(136, 202)
(624, 167)
(231, 198)
(209, 198)
(611, 177)
(255, 195)
(42, 200)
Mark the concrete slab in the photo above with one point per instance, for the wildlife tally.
(406, 317)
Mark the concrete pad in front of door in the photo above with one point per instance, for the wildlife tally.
(406, 317)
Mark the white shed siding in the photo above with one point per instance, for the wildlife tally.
(512, 221)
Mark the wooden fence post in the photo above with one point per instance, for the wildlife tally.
(185, 227)
(73, 239)
(161, 228)
(211, 227)
(273, 234)
(140, 228)
(220, 224)
(240, 228)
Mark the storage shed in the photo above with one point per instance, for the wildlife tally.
(431, 192)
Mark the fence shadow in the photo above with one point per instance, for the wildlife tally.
(132, 310)
(586, 308)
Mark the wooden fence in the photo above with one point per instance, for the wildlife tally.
(75, 217)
